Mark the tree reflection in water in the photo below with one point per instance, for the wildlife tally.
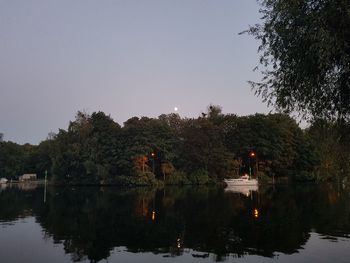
(90, 222)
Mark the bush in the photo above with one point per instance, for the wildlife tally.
(177, 178)
(146, 179)
(199, 177)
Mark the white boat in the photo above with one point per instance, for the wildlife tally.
(3, 181)
(242, 181)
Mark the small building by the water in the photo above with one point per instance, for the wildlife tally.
(3, 180)
(27, 177)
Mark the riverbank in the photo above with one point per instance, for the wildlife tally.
(149, 179)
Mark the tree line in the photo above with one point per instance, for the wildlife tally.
(305, 57)
(94, 149)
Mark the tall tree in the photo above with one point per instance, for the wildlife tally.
(305, 54)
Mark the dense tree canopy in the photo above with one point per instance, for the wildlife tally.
(94, 149)
(305, 54)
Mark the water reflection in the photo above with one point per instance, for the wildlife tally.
(247, 190)
(91, 222)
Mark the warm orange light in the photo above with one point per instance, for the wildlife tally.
(153, 215)
(252, 154)
(153, 154)
(256, 213)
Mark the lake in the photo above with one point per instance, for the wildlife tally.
(300, 223)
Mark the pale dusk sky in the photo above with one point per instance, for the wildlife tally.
(126, 58)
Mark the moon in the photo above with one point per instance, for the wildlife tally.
(176, 108)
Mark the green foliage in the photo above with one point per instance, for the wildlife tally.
(178, 178)
(141, 137)
(199, 177)
(148, 179)
(96, 150)
(12, 158)
(277, 140)
(203, 148)
(332, 146)
(305, 55)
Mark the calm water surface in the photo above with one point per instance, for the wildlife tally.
(182, 224)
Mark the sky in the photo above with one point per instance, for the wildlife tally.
(123, 57)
